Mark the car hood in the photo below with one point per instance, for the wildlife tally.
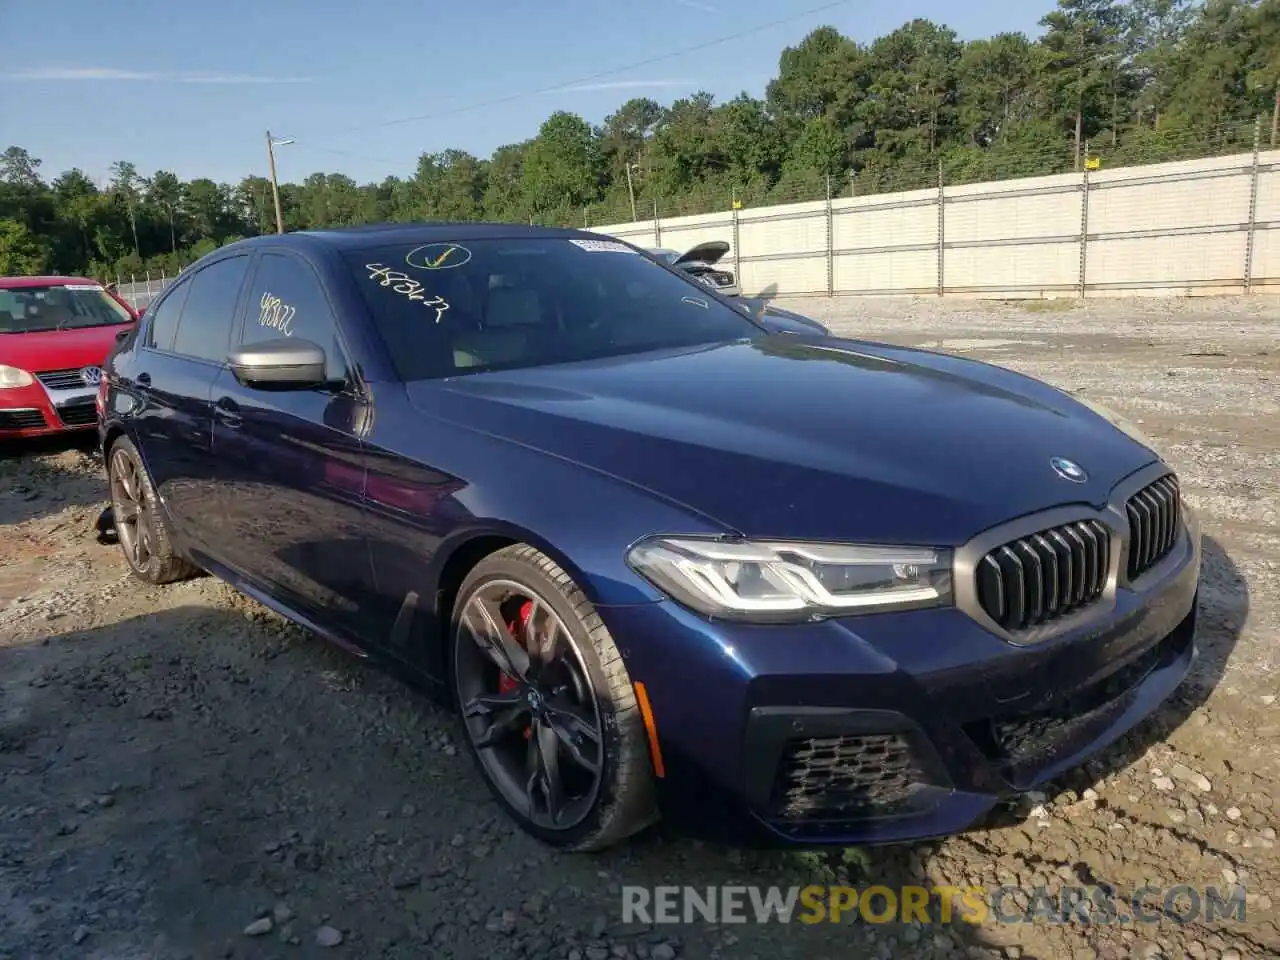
(708, 253)
(813, 437)
(59, 349)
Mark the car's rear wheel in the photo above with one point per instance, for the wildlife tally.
(141, 527)
(547, 706)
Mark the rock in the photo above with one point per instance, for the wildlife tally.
(1233, 813)
(597, 953)
(1196, 779)
(259, 928)
(663, 951)
(282, 912)
(80, 935)
(328, 936)
(1163, 784)
(458, 840)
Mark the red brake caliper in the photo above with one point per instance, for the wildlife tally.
(508, 684)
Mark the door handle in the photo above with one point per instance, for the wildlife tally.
(143, 380)
(227, 412)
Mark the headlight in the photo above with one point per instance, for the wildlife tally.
(13, 377)
(1123, 424)
(772, 582)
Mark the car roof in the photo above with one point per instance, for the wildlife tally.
(17, 283)
(379, 234)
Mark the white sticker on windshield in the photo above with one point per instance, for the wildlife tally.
(82, 286)
(602, 246)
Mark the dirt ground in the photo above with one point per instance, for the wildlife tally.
(184, 775)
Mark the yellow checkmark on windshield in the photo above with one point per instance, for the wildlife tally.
(438, 261)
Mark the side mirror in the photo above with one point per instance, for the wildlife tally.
(285, 364)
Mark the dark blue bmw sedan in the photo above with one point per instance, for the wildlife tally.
(658, 558)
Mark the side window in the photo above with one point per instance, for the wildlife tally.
(286, 300)
(164, 317)
(207, 317)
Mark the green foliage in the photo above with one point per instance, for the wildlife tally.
(21, 251)
(1127, 82)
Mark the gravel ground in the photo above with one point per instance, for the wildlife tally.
(182, 774)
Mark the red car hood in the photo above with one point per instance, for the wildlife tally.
(59, 349)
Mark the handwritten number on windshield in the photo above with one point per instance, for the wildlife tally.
(275, 314)
(406, 286)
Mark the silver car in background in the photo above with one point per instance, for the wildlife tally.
(700, 263)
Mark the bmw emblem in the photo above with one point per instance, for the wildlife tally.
(91, 375)
(1068, 470)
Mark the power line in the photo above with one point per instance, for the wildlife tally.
(670, 55)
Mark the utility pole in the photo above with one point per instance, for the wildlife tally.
(275, 186)
(632, 191)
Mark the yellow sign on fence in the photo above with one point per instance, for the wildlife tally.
(1093, 163)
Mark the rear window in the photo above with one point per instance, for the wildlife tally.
(446, 309)
(68, 306)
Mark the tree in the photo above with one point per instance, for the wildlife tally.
(1210, 68)
(825, 75)
(1264, 63)
(911, 100)
(124, 184)
(562, 166)
(18, 167)
(625, 135)
(1083, 42)
(997, 88)
(22, 253)
(1155, 30)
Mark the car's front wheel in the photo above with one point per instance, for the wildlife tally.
(141, 527)
(547, 705)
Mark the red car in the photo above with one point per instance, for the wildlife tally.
(55, 333)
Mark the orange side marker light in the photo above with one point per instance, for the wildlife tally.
(651, 728)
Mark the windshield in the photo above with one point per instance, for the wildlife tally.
(454, 308)
(58, 307)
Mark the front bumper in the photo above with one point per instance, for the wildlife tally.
(39, 410)
(897, 727)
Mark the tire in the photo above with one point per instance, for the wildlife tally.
(158, 562)
(624, 801)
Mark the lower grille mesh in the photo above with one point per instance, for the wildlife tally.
(846, 777)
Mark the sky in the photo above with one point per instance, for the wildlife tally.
(193, 87)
